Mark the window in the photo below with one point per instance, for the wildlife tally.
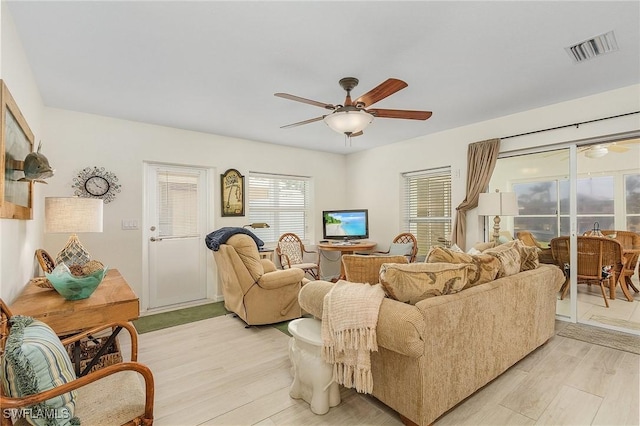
(281, 201)
(177, 203)
(427, 206)
(541, 201)
(632, 202)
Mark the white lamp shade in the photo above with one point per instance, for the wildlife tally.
(73, 214)
(498, 204)
(348, 121)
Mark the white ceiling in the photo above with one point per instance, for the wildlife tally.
(213, 66)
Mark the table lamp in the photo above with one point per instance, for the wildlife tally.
(73, 215)
(497, 204)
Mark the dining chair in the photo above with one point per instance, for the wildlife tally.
(631, 250)
(291, 250)
(599, 260)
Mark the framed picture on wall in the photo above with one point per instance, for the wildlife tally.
(16, 142)
(232, 190)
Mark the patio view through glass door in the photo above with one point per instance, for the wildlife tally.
(606, 190)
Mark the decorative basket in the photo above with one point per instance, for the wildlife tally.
(89, 348)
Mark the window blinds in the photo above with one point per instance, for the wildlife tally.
(427, 206)
(282, 201)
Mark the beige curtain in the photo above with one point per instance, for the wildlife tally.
(481, 160)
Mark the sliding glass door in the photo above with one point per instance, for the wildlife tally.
(571, 192)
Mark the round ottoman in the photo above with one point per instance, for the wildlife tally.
(312, 377)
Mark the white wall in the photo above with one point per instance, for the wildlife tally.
(374, 175)
(19, 238)
(77, 140)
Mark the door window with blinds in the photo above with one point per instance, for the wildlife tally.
(427, 206)
(177, 200)
(282, 202)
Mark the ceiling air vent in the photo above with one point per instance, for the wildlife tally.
(596, 46)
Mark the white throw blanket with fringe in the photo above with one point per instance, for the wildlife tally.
(349, 319)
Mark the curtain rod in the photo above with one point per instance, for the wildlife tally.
(571, 125)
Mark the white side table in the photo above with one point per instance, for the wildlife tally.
(312, 377)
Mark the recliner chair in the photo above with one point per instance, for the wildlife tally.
(252, 287)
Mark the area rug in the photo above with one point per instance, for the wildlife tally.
(598, 336)
(155, 322)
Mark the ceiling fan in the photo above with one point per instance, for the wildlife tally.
(598, 150)
(352, 117)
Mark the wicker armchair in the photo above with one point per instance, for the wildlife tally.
(404, 239)
(366, 269)
(291, 250)
(594, 253)
(111, 395)
(631, 244)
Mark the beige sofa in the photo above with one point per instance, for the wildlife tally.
(435, 354)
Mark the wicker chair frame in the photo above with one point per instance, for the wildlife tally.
(145, 419)
(312, 268)
(366, 269)
(631, 244)
(593, 254)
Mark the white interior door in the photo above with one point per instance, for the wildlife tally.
(177, 212)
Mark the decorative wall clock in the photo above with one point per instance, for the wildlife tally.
(232, 190)
(96, 182)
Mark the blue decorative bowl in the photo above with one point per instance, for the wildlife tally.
(72, 287)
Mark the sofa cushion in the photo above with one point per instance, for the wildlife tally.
(402, 249)
(528, 255)
(414, 282)
(509, 258)
(35, 361)
(485, 267)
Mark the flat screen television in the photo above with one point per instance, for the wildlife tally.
(345, 224)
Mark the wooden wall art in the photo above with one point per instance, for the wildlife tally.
(16, 142)
(232, 190)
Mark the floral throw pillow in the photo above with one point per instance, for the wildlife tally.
(485, 267)
(413, 282)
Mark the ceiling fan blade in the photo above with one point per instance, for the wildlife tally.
(384, 89)
(617, 148)
(353, 135)
(400, 113)
(304, 100)
(300, 123)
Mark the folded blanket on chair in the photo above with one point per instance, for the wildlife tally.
(349, 319)
(220, 236)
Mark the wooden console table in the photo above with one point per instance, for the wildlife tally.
(346, 249)
(113, 301)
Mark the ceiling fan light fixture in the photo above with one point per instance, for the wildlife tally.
(348, 122)
(597, 151)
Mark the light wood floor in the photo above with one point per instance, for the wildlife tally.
(216, 372)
